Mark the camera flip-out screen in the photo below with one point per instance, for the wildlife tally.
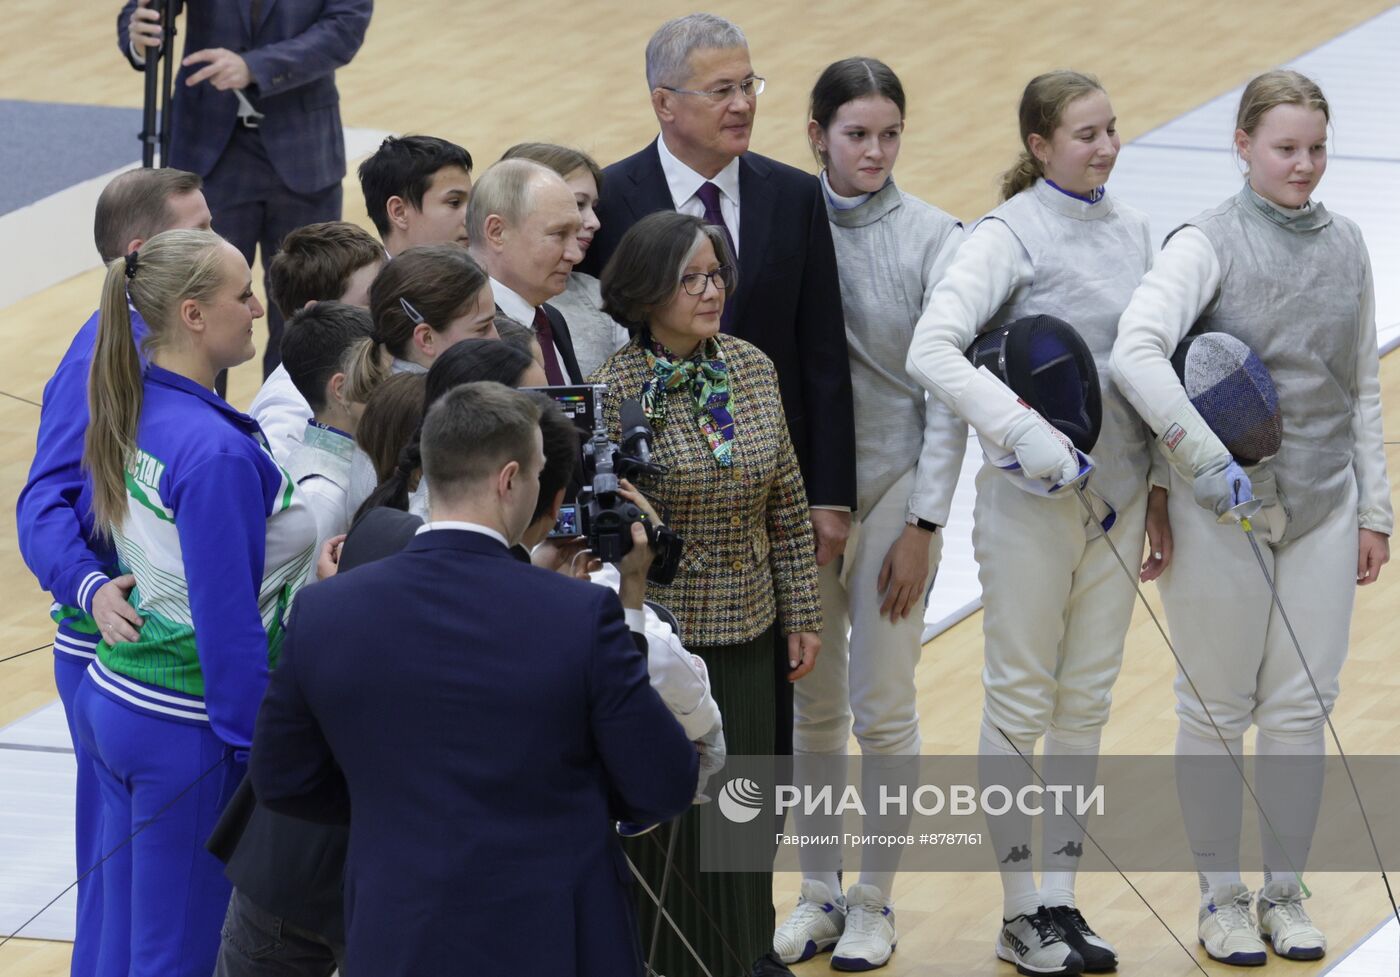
(582, 403)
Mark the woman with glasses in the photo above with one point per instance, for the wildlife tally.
(748, 576)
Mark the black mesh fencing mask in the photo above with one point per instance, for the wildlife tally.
(1048, 365)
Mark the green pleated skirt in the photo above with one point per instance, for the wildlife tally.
(726, 916)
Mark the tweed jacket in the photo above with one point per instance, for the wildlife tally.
(749, 554)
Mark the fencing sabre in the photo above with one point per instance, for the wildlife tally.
(1240, 515)
(120, 845)
(1231, 389)
(1078, 486)
(1046, 364)
(1094, 841)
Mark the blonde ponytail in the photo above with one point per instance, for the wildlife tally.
(369, 366)
(114, 403)
(170, 268)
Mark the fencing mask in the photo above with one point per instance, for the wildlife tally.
(1047, 364)
(1231, 389)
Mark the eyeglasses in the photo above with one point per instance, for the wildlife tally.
(723, 277)
(750, 87)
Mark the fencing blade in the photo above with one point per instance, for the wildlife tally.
(1094, 841)
(1219, 733)
(1321, 704)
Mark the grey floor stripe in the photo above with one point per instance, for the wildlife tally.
(32, 748)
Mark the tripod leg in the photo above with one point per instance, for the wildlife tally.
(167, 53)
(661, 894)
(661, 912)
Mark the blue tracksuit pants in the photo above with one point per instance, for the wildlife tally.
(163, 783)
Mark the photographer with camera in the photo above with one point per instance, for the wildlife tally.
(493, 738)
(734, 492)
(679, 677)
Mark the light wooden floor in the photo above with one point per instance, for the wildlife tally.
(488, 75)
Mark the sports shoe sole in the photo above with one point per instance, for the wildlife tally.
(858, 964)
(1096, 960)
(810, 950)
(1242, 959)
(1303, 952)
(1009, 955)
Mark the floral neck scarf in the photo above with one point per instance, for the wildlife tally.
(705, 374)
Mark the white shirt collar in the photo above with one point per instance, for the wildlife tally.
(406, 366)
(683, 181)
(840, 202)
(512, 304)
(470, 527)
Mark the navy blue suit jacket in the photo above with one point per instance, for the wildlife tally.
(788, 302)
(292, 53)
(485, 721)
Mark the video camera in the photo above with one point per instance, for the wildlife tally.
(599, 511)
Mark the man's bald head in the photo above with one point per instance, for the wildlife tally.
(523, 224)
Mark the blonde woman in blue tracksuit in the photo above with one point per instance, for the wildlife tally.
(218, 542)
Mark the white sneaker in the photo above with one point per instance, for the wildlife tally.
(1035, 946)
(1285, 923)
(870, 937)
(1226, 927)
(813, 927)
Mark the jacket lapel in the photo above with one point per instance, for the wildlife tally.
(649, 192)
(263, 13)
(756, 208)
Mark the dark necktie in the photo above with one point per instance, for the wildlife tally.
(255, 14)
(709, 196)
(544, 332)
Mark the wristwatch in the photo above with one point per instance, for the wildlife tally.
(924, 524)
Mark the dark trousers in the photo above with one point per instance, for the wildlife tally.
(258, 944)
(782, 699)
(253, 209)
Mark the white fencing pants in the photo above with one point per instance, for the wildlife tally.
(1056, 610)
(1056, 607)
(1227, 632)
(1235, 647)
(865, 675)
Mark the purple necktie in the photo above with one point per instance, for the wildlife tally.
(709, 196)
(544, 332)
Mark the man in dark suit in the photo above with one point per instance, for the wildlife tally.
(523, 225)
(788, 301)
(256, 113)
(485, 745)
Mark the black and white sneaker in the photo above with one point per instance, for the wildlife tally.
(1098, 954)
(1033, 943)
